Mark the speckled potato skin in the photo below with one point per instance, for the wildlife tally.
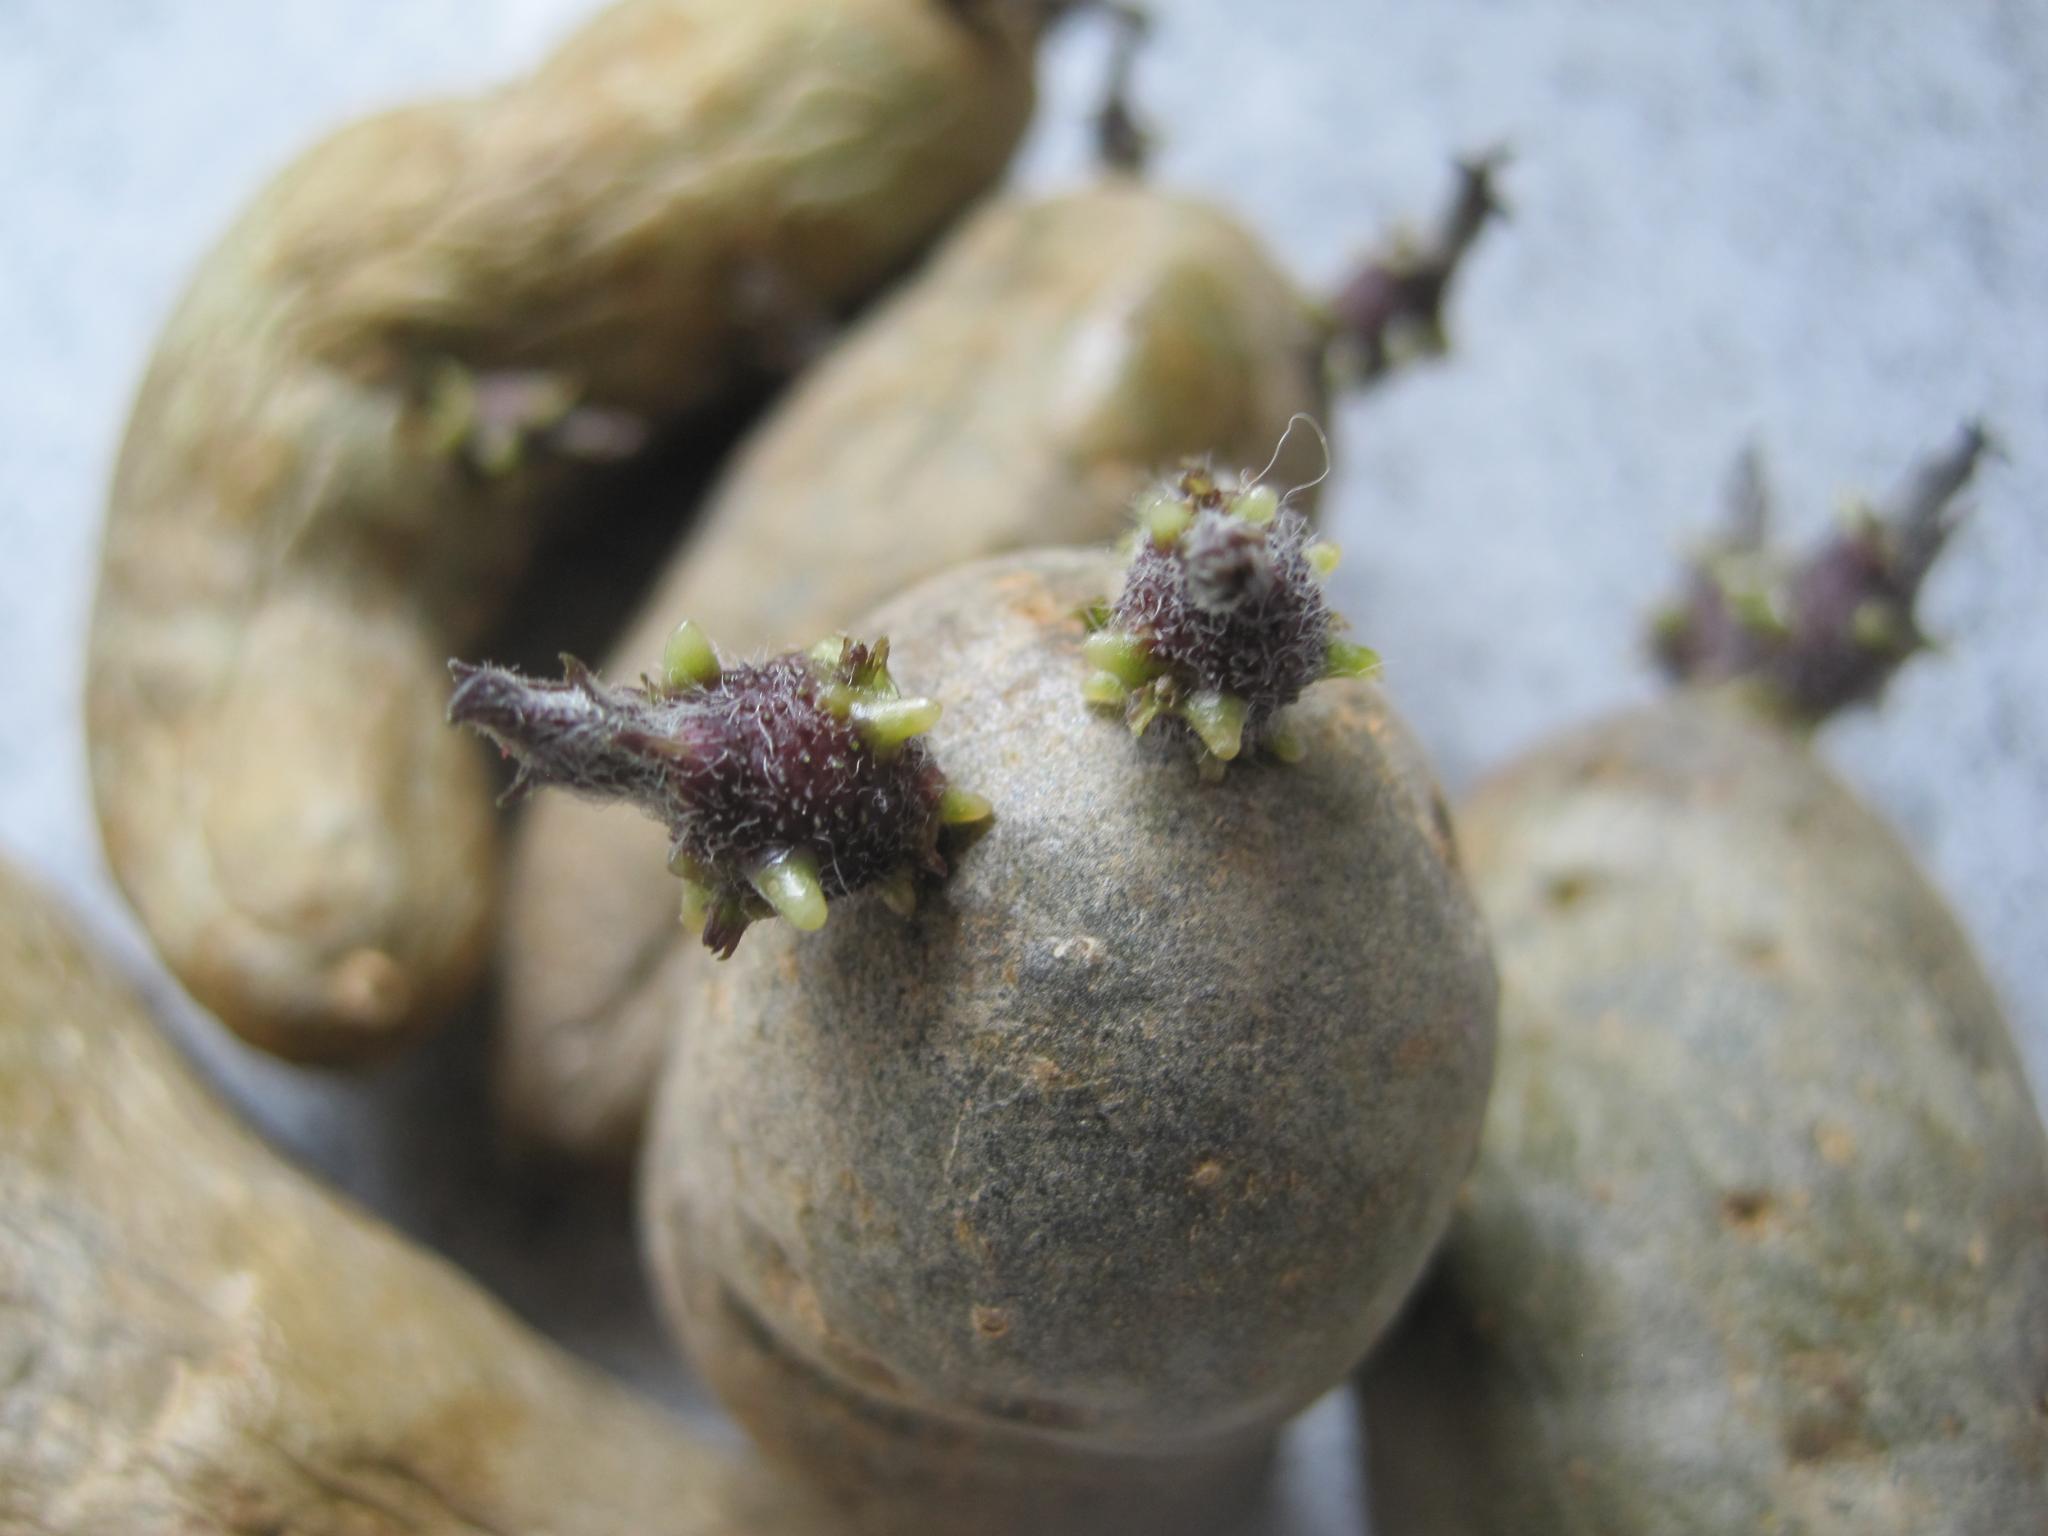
(1758, 1239)
(1117, 1153)
(1055, 354)
(293, 548)
(195, 1338)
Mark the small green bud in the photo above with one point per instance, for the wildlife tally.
(789, 883)
(1123, 656)
(1259, 504)
(884, 723)
(961, 807)
(1105, 689)
(1218, 719)
(696, 905)
(683, 867)
(687, 659)
(1164, 517)
(1349, 660)
(1148, 707)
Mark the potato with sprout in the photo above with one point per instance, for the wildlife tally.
(1042, 1207)
(1017, 393)
(1758, 1239)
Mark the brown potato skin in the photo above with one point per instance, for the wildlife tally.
(1758, 1238)
(293, 548)
(1054, 355)
(196, 1338)
(1118, 1152)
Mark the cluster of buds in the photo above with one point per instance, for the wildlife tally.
(1222, 622)
(1829, 628)
(783, 784)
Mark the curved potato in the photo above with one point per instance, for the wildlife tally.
(1054, 355)
(194, 1337)
(391, 363)
(1043, 1207)
(1758, 1238)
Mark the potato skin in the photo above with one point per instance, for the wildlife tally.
(1126, 1145)
(1758, 1238)
(194, 1337)
(295, 544)
(1054, 355)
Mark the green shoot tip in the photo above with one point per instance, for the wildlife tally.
(789, 883)
(687, 658)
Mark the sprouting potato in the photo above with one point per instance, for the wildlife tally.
(406, 351)
(1040, 1203)
(1758, 1238)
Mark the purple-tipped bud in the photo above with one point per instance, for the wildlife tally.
(783, 784)
(1221, 623)
(1393, 306)
(1829, 629)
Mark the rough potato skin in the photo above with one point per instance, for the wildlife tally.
(1055, 354)
(1117, 1153)
(195, 1338)
(1758, 1238)
(305, 520)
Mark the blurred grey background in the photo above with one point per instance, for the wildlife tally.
(1821, 224)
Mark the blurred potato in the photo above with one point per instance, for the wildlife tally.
(402, 355)
(197, 1338)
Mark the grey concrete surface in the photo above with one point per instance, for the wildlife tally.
(1820, 224)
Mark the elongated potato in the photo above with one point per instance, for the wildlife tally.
(375, 383)
(194, 1338)
(1055, 354)
(1040, 1207)
(1758, 1239)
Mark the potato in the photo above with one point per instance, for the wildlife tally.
(196, 1338)
(390, 366)
(1758, 1239)
(1054, 356)
(1041, 1208)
